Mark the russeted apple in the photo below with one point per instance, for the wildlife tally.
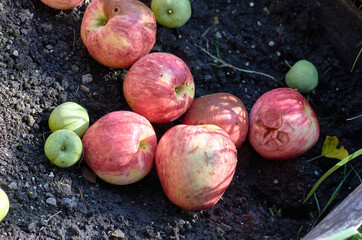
(118, 33)
(223, 110)
(195, 165)
(120, 147)
(283, 125)
(160, 87)
(62, 4)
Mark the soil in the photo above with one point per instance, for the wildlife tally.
(44, 63)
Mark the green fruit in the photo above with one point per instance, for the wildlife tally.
(171, 13)
(4, 204)
(71, 116)
(63, 148)
(303, 76)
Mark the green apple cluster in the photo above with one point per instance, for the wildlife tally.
(68, 122)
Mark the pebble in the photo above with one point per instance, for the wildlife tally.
(271, 44)
(84, 89)
(87, 78)
(51, 201)
(13, 186)
(251, 4)
(15, 53)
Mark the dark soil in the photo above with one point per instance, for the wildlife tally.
(44, 63)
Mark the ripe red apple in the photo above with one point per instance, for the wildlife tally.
(283, 125)
(62, 4)
(160, 87)
(120, 147)
(223, 110)
(195, 165)
(118, 33)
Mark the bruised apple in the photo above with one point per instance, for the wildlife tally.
(160, 87)
(223, 110)
(120, 147)
(283, 125)
(62, 4)
(195, 165)
(118, 33)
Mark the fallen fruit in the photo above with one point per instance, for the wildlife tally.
(120, 147)
(63, 148)
(283, 125)
(160, 87)
(62, 4)
(195, 165)
(118, 33)
(302, 76)
(71, 116)
(171, 13)
(4, 204)
(223, 110)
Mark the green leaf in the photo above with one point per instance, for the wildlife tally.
(330, 149)
(330, 171)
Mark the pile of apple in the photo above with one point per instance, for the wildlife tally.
(196, 160)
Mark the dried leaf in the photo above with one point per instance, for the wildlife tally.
(330, 149)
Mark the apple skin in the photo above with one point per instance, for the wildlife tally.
(120, 147)
(303, 76)
(118, 32)
(4, 204)
(195, 165)
(63, 148)
(160, 87)
(171, 13)
(62, 4)
(223, 110)
(71, 116)
(283, 125)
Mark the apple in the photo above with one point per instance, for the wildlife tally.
(63, 148)
(283, 125)
(120, 147)
(171, 13)
(4, 204)
(160, 87)
(302, 76)
(195, 165)
(71, 116)
(118, 33)
(223, 110)
(62, 4)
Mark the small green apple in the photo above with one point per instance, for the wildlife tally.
(71, 116)
(171, 13)
(4, 204)
(63, 148)
(302, 76)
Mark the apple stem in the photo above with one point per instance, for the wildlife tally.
(286, 62)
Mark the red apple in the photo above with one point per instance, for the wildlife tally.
(283, 125)
(160, 87)
(223, 110)
(118, 32)
(195, 165)
(120, 147)
(62, 4)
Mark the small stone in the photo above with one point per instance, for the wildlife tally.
(87, 78)
(49, 47)
(75, 68)
(15, 53)
(271, 44)
(13, 186)
(84, 89)
(276, 181)
(251, 4)
(51, 175)
(51, 201)
(32, 227)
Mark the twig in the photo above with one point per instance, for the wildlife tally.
(226, 64)
(46, 221)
